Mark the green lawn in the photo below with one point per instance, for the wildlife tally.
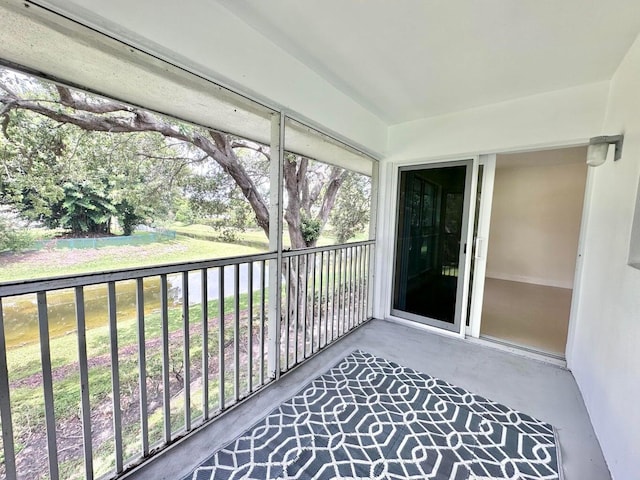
(55, 262)
(49, 263)
(255, 238)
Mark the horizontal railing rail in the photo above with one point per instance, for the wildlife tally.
(299, 251)
(120, 364)
(20, 287)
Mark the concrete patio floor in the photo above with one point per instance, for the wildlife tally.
(543, 390)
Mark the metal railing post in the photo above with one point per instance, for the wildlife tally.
(5, 408)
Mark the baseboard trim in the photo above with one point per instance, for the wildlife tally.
(533, 280)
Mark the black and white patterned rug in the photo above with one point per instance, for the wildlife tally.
(368, 418)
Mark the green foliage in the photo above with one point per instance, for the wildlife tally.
(13, 237)
(129, 216)
(213, 200)
(86, 207)
(65, 177)
(183, 212)
(310, 229)
(350, 214)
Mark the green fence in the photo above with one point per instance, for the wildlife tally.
(76, 243)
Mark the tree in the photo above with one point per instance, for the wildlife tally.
(64, 176)
(310, 197)
(351, 212)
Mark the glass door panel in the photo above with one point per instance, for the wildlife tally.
(429, 257)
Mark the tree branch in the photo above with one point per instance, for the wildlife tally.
(69, 100)
(259, 149)
(292, 213)
(336, 179)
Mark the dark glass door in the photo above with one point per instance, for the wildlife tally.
(429, 258)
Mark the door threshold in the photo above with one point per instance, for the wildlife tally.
(518, 349)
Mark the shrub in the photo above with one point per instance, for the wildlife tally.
(13, 236)
(311, 228)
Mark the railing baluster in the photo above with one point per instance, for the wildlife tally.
(325, 281)
(236, 331)
(47, 384)
(340, 297)
(365, 282)
(297, 308)
(142, 365)
(362, 281)
(356, 288)
(166, 385)
(350, 287)
(368, 270)
(84, 383)
(5, 408)
(204, 283)
(288, 316)
(347, 274)
(313, 304)
(115, 376)
(262, 318)
(347, 288)
(221, 337)
(305, 310)
(186, 353)
(349, 268)
(326, 300)
(359, 285)
(333, 297)
(320, 316)
(250, 319)
(345, 291)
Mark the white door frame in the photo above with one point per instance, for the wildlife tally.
(388, 216)
(481, 243)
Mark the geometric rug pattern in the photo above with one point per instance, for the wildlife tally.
(368, 418)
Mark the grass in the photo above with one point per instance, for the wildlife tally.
(24, 361)
(254, 237)
(50, 263)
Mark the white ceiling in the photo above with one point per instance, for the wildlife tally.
(410, 59)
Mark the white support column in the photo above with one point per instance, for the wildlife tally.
(275, 242)
(373, 222)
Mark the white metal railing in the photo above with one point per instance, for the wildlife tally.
(182, 356)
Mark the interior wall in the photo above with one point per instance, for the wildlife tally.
(603, 346)
(535, 217)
